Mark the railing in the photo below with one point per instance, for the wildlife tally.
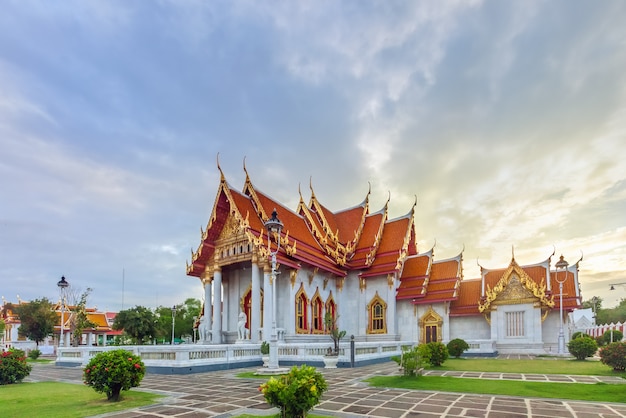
(186, 355)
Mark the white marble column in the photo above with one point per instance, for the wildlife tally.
(391, 305)
(217, 306)
(267, 303)
(208, 308)
(255, 321)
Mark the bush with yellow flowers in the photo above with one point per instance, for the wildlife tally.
(295, 393)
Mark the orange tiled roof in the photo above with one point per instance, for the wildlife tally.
(335, 242)
(468, 296)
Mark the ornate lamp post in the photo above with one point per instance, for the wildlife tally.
(561, 265)
(274, 226)
(173, 322)
(62, 284)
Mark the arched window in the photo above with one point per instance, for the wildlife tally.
(317, 313)
(331, 308)
(302, 317)
(245, 304)
(377, 316)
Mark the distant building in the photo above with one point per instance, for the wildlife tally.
(365, 269)
(101, 334)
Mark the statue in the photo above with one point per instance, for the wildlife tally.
(203, 330)
(242, 331)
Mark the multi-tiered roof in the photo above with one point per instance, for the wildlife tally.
(366, 243)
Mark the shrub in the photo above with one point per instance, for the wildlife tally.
(614, 355)
(265, 348)
(34, 354)
(412, 359)
(296, 392)
(617, 336)
(577, 334)
(111, 372)
(600, 341)
(438, 353)
(582, 347)
(13, 366)
(456, 347)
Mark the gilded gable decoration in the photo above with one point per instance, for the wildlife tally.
(515, 286)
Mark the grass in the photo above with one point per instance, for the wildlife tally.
(64, 400)
(539, 366)
(598, 392)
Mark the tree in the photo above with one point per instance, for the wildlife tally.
(139, 323)
(184, 319)
(80, 320)
(38, 319)
(2, 326)
(330, 322)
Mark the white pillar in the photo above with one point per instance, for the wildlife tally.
(208, 308)
(267, 303)
(255, 311)
(217, 306)
(391, 306)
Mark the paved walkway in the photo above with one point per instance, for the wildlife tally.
(221, 394)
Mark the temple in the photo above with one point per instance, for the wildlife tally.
(364, 269)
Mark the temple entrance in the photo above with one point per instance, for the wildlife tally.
(430, 327)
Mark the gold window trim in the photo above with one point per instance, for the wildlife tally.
(376, 301)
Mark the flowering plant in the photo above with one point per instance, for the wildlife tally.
(111, 372)
(614, 355)
(296, 392)
(13, 366)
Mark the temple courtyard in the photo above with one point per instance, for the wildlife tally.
(223, 394)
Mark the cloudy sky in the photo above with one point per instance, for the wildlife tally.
(507, 120)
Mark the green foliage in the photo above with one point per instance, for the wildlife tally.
(612, 315)
(265, 348)
(438, 353)
(582, 347)
(2, 326)
(412, 359)
(330, 322)
(139, 323)
(616, 337)
(37, 319)
(80, 320)
(577, 334)
(13, 366)
(456, 347)
(295, 393)
(614, 355)
(111, 372)
(34, 354)
(183, 319)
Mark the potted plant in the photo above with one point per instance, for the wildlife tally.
(332, 354)
(265, 353)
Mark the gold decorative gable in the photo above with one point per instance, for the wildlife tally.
(515, 287)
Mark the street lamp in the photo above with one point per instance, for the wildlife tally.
(173, 321)
(617, 284)
(594, 305)
(274, 226)
(561, 265)
(62, 284)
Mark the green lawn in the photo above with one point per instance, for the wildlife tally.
(598, 392)
(64, 400)
(539, 365)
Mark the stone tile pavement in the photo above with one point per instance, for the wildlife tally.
(221, 394)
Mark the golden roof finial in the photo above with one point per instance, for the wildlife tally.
(222, 177)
